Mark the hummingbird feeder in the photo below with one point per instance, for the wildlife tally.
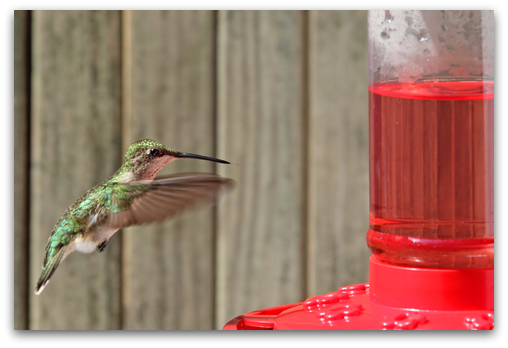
(431, 130)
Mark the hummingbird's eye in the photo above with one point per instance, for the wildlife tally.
(155, 152)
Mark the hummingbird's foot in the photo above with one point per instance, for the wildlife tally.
(102, 246)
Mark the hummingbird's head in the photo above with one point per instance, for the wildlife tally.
(144, 159)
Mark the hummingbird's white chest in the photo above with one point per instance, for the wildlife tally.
(84, 246)
(94, 235)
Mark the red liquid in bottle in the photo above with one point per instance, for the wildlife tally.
(432, 174)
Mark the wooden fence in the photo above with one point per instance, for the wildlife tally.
(280, 94)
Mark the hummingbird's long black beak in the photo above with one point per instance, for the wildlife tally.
(191, 155)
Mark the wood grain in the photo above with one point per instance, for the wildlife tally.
(260, 237)
(75, 145)
(169, 76)
(338, 150)
(21, 168)
(280, 94)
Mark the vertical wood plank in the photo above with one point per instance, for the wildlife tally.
(75, 145)
(168, 268)
(338, 150)
(21, 173)
(260, 237)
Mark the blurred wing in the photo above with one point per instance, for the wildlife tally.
(144, 202)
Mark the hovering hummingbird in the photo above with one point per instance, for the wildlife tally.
(131, 196)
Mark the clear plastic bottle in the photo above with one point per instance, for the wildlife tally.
(431, 121)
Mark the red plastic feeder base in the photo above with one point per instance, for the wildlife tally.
(396, 298)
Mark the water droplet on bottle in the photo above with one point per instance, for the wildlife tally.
(388, 16)
(423, 36)
(444, 27)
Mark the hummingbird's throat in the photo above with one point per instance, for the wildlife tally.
(154, 167)
(144, 170)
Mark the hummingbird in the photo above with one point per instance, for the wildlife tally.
(131, 196)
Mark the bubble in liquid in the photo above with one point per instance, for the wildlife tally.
(444, 27)
(385, 35)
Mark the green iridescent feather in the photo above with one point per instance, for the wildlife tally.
(103, 199)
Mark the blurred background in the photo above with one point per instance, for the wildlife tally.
(280, 94)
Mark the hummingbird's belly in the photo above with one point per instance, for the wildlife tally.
(84, 246)
(88, 242)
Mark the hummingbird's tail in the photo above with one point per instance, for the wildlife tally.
(48, 270)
